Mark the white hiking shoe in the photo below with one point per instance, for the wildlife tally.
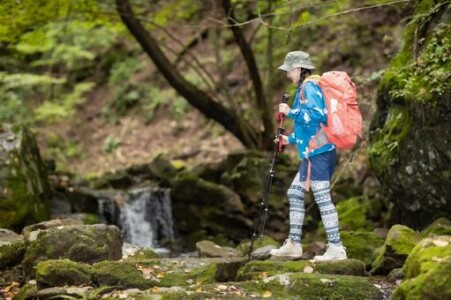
(333, 252)
(289, 248)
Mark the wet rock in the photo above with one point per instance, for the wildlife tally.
(80, 243)
(210, 249)
(400, 241)
(12, 248)
(24, 186)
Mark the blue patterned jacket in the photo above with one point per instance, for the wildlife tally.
(308, 117)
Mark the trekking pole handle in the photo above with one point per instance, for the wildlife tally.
(280, 118)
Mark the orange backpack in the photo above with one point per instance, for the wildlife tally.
(344, 120)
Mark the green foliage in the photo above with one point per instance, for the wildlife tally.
(51, 111)
(15, 88)
(71, 43)
(110, 144)
(431, 76)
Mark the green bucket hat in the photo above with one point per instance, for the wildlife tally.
(296, 59)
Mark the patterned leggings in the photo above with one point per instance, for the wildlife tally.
(329, 216)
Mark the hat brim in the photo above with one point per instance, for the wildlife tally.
(288, 68)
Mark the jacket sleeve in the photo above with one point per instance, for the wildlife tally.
(313, 109)
(292, 139)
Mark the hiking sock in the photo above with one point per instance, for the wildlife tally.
(329, 216)
(295, 195)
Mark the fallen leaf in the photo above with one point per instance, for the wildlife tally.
(155, 289)
(308, 269)
(190, 281)
(222, 287)
(263, 275)
(267, 294)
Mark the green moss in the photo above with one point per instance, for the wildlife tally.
(119, 274)
(28, 291)
(200, 275)
(313, 286)
(427, 254)
(11, 253)
(398, 244)
(142, 255)
(90, 219)
(421, 68)
(361, 245)
(259, 242)
(434, 284)
(352, 213)
(386, 140)
(23, 180)
(441, 226)
(61, 272)
(256, 270)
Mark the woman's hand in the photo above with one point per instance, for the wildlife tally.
(284, 139)
(284, 108)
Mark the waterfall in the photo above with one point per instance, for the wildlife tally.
(146, 217)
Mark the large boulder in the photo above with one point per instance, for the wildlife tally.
(410, 133)
(427, 271)
(12, 248)
(398, 244)
(24, 186)
(80, 243)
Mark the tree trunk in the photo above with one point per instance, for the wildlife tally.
(241, 129)
(263, 105)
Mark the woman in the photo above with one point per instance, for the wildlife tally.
(308, 112)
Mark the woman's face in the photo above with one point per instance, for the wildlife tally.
(294, 75)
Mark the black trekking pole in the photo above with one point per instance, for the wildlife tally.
(278, 147)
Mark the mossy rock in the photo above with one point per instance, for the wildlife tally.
(298, 286)
(259, 242)
(23, 179)
(257, 270)
(119, 274)
(410, 141)
(141, 255)
(426, 255)
(441, 226)
(435, 284)
(61, 272)
(210, 249)
(49, 224)
(186, 272)
(361, 245)
(80, 243)
(12, 248)
(398, 244)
